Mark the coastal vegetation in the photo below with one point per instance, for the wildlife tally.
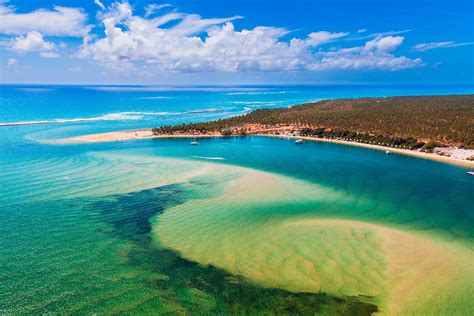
(226, 132)
(408, 122)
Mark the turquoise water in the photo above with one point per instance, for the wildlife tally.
(78, 222)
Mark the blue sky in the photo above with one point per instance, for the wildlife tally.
(232, 42)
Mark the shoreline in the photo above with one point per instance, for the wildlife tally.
(147, 134)
(407, 152)
(123, 136)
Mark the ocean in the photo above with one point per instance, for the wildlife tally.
(234, 225)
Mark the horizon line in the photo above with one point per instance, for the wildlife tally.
(237, 84)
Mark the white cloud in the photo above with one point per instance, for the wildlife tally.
(34, 42)
(12, 63)
(428, 46)
(376, 35)
(118, 11)
(152, 8)
(192, 24)
(99, 4)
(195, 44)
(132, 43)
(385, 44)
(375, 54)
(322, 37)
(365, 61)
(61, 21)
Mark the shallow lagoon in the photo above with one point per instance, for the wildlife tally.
(158, 225)
(234, 225)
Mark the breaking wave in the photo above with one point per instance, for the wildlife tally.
(155, 98)
(257, 92)
(120, 116)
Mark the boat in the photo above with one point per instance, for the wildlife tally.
(388, 152)
(470, 172)
(298, 141)
(194, 143)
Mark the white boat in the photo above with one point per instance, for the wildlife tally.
(298, 141)
(388, 152)
(194, 143)
(470, 172)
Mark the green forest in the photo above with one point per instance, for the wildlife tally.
(443, 119)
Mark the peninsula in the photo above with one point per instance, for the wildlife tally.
(434, 127)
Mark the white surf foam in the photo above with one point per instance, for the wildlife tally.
(155, 98)
(119, 116)
(257, 92)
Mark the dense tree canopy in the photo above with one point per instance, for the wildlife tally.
(445, 119)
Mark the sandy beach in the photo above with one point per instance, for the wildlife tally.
(122, 136)
(147, 133)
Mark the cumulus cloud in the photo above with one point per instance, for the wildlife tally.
(433, 45)
(384, 44)
(61, 21)
(34, 42)
(191, 43)
(194, 43)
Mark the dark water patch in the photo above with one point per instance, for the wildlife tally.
(129, 214)
(185, 287)
(207, 289)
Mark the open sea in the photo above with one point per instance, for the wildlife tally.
(240, 225)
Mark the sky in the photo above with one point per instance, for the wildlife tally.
(236, 41)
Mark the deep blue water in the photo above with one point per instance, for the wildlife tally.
(145, 105)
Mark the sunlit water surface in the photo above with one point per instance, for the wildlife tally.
(234, 225)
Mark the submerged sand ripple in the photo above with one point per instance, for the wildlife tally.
(261, 228)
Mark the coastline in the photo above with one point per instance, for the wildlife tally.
(408, 152)
(123, 136)
(147, 134)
